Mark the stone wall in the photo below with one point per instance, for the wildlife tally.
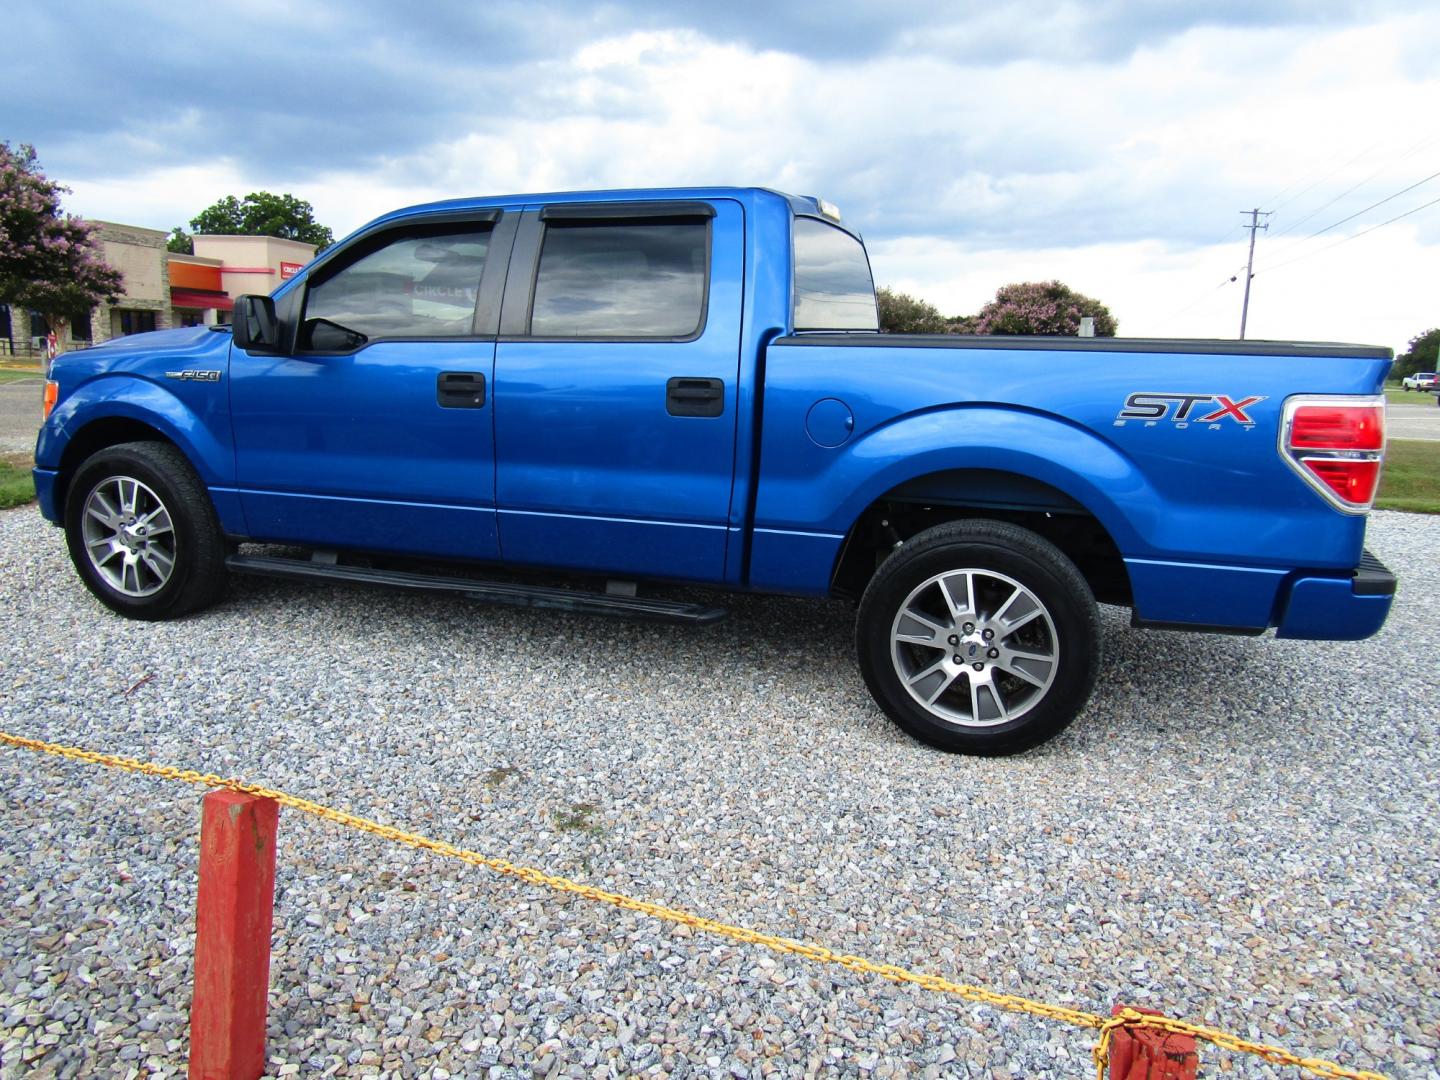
(139, 254)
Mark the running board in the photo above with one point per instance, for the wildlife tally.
(490, 592)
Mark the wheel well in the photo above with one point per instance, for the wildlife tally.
(931, 500)
(96, 436)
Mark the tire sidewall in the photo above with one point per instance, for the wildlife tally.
(130, 462)
(1059, 587)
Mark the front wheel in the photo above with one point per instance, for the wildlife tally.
(979, 637)
(142, 532)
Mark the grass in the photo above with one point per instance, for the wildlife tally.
(9, 375)
(1409, 397)
(577, 819)
(1411, 480)
(16, 486)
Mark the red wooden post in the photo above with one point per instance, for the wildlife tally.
(1142, 1053)
(233, 913)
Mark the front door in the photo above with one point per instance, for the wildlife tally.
(615, 388)
(375, 430)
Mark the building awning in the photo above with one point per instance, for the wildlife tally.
(201, 298)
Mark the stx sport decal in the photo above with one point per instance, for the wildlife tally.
(1182, 410)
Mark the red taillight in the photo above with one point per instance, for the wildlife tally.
(1354, 481)
(1337, 444)
(1337, 427)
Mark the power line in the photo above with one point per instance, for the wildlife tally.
(1423, 144)
(1230, 280)
(1326, 205)
(1311, 187)
(1356, 236)
(1358, 213)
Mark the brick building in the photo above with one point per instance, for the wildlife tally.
(163, 289)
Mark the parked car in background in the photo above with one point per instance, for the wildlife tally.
(1421, 380)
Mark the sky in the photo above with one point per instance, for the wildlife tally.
(1112, 145)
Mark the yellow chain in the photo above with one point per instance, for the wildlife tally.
(1106, 1026)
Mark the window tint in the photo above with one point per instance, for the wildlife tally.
(833, 288)
(621, 280)
(415, 286)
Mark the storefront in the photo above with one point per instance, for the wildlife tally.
(162, 288)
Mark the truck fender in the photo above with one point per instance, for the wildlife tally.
(1033, 444)
(124, 396)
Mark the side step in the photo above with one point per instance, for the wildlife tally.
(490, 592)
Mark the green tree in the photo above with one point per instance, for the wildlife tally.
(1042, 307)
(1422, 354)
(901, 313)
(49, 260)
(259, 214)
(180, 242)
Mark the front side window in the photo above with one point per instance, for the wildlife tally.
(414, 286)
(833, 287)
(621, 279)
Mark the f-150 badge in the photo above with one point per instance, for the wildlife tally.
(1182, 410)
(194, 376)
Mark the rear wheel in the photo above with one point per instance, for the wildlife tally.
(142, 532)
(979, 637)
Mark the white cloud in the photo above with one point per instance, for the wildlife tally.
(1366, 292)
(1119, 177)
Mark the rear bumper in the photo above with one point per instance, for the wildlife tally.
(1338, 609)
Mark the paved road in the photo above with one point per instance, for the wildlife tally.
(19, 415)
(1414, 422)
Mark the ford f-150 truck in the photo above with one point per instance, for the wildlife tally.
(689, 385)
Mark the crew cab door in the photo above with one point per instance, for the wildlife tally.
(615, 388)
(373, 426)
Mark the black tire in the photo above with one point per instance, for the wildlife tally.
(127, 572)
(995, 691)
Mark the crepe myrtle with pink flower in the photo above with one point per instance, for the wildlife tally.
(49, 260)
(1042, 307)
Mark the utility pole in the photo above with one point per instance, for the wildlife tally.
(1250, 263)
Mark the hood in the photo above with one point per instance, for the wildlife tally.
(182, 339)
(145, 354)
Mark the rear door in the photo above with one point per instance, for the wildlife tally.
(374, 430)
(615, 388)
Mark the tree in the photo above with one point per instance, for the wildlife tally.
(49, 261)
(1422, 354)
(901, 313)
(1042, 307)
(259, 214)
(180, 242)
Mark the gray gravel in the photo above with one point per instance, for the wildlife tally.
(1239, 832)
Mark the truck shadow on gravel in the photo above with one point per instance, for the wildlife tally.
(1155, 687)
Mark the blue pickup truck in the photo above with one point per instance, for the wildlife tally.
(689, 385)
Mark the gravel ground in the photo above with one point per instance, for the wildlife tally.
(1239, 832)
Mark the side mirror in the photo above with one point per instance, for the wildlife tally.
(256, 328)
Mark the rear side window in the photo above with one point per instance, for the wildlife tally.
(621, 279)
(413, 286)
(833, 287)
